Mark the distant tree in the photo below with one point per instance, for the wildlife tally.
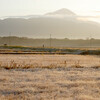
(66, 38)
(5, 44)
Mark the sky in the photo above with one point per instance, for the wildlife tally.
(31, 7)
(40, 7)
(88, 9)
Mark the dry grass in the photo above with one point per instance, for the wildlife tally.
(46, 77)
(47, 61)
(50, 84)
(96, 67)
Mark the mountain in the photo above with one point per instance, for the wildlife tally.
(43, 26)
(24, 17)
(62, 11)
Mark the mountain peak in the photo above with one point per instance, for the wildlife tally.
(62, 11)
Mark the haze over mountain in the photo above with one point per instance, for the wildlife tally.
(62, 23)
(62, 11)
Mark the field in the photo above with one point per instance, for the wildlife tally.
(49, 77)
(49, 50)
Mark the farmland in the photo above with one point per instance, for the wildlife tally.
(49, 50)
(49, 77)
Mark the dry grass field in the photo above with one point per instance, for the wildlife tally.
(49, 77)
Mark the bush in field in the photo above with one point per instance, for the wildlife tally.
(77, 65)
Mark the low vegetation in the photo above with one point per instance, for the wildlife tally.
(49, 77)
(47, 50)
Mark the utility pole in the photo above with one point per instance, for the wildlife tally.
(50, 44)
(90, 40)
(9, 39)
(50, 40)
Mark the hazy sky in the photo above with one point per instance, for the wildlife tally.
(31, 7)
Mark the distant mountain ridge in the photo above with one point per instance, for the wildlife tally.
(42, 26)
(62, 11)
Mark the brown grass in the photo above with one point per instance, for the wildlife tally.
(46, 77)
(96, 67)
(14, 65)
